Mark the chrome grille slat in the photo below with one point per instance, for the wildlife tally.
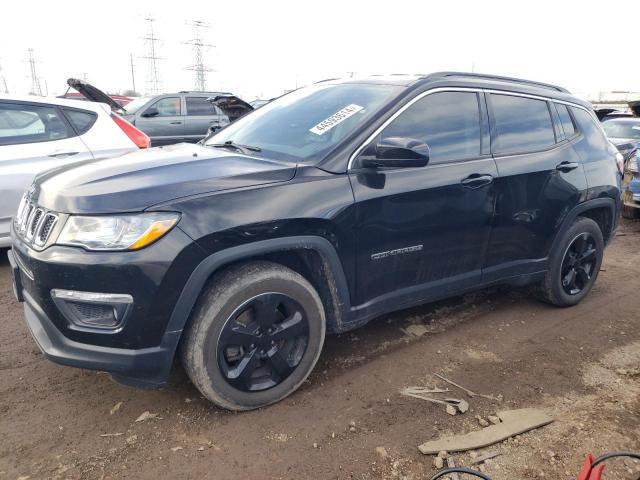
(34, 223)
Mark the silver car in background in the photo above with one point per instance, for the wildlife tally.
(38, 134)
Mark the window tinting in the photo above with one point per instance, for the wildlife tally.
(30, 123)
(449, 122)
(82, 121)
(521, 124)
(200, 106)
(566, 121)
(168, 107)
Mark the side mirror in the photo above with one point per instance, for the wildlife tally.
(396, 152)
(150, 112)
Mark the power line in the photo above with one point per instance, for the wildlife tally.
(199, 47)
(36, 89)
(153, 80)
(133, 76)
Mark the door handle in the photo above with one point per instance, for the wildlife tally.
(567, 166)
(476, 180)
(178, 122)
(62, 154)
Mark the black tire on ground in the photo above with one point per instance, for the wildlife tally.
(216, 314)
(583, 236)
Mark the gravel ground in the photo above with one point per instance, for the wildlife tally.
(581, 365)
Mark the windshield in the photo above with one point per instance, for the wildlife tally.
(306, 124)
(134, 105)
(618, 129)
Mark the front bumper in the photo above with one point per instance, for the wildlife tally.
(140, 353)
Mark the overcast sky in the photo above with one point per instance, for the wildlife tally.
(265, 47)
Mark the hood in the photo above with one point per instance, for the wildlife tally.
(92, 93)
(143, 178)
(232, 106)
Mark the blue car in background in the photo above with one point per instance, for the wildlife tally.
(624, 133)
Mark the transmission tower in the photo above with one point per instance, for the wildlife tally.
(199, 47)
(36, 89)
(153, 80)
(3, 83)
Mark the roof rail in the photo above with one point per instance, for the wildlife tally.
(200, 91)
(501, 79)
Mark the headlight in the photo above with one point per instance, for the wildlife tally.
(632, 165)
(117, 232)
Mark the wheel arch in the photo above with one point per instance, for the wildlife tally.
(320, 265)
(600, 210)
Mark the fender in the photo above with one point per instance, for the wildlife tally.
(214, 262)
(606, 202)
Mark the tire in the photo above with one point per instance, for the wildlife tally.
(567, 271)
(277, 321)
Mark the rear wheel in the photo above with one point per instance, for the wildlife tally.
(255, 336)
(574, 265)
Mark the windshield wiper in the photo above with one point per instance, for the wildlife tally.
(236, 146)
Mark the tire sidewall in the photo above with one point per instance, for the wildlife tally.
(231, 292)
(580, 226)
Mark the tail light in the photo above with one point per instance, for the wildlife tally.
(138, 137)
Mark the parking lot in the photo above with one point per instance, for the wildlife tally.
(579, 364)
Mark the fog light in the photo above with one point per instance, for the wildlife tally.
(93, 310)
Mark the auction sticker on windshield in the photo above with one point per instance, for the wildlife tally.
(338, 117)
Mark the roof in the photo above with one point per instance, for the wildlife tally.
(65, 102)
(470, 80)
(623, 119)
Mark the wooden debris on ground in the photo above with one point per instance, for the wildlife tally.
(514, 422)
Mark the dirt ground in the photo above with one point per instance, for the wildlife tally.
(581, 365)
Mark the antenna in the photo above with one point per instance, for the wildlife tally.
(153, 80)
(36, 89)
(198, 47)
(3, 83)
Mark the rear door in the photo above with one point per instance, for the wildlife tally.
(167, 125)
(541, 178)
(422, 232)
(33, 138)
(200, 117)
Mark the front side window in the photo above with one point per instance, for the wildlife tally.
(30, 123)
(167, 107)
(199, 106)
(520, 124)
(449, 122)
(306, 124)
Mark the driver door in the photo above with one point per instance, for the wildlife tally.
(163, 121)
(422, 232)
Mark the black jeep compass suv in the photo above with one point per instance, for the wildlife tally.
(315, 213)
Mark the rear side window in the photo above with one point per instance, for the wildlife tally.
(449, 122)
(565, 120)
(520, 124)
(24, 123)
(200, 106)
(81, 121)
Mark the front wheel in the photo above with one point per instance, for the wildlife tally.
(254, 337)
(574, 264)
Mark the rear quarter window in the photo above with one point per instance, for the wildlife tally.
(565, 120)
(82, 121)
(520, 124)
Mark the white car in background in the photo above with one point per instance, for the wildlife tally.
(41, 133)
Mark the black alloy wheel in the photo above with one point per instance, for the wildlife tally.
(578, 264)
(262, 342)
